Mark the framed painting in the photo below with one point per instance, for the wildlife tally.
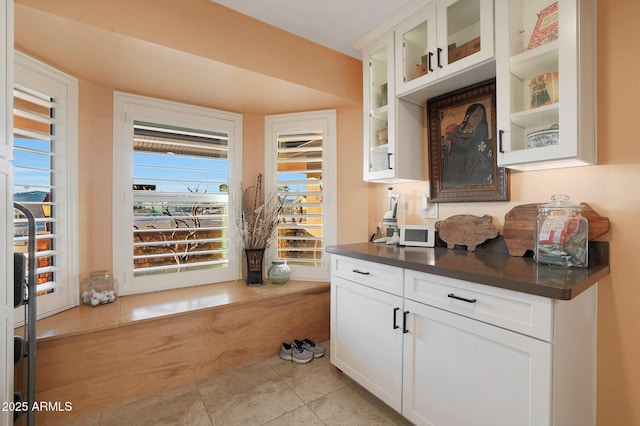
(462, 146)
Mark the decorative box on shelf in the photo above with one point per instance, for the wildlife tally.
(421, 70)
(464, 50)
(546, 28)
(544, 89)
(383, 136)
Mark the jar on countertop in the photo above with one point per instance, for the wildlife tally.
(99, 289)
(279, 272)
(562, 234)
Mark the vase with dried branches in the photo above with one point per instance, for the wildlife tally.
(257, 226)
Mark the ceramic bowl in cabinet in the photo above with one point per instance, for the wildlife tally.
(542, 138)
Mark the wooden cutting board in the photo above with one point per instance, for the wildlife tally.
(520, 227)
(466, 230)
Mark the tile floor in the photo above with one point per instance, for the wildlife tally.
(271, 392)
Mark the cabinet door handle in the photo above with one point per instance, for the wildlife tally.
(395, 324)
(500, 133)
(429, 62)
(439, 63)
(389, 160)
(404, 322)
(357, 271)
(464, 299)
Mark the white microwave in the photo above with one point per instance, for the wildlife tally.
(417, 235)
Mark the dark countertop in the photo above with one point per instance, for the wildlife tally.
(491, 267)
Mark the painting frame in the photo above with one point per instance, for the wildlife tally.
(463, 162)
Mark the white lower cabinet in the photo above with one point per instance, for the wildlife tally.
(364, 343)
(446, 352)
(459, 371)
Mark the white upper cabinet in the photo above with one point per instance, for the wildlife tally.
(546, 83)
(393, 135)
(427, 49)
(446, 37)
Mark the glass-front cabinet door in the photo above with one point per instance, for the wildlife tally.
(379, 109)
(416, 47)
(545, 62)
(393, 128)
(444, 38)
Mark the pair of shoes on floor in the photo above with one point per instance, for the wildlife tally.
(301, 351)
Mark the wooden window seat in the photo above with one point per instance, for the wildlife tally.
(101, 357)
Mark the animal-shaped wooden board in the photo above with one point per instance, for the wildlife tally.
(467, 230)
(520, 227)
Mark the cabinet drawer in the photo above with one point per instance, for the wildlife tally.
(382, 277)
(523, 313)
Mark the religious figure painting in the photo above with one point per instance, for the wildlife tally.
(462, 146)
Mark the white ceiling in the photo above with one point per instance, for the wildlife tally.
(335, 24)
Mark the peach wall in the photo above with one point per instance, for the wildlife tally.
(209, 30)
(619, 303)
(352, 191)
(610, 188)
(95, 158)
(252, 148)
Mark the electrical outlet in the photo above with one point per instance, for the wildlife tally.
(431, 212)
(429, 209)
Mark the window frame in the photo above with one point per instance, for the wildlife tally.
(128, 109)
(307, 122)
(6, 209)
(35, 75)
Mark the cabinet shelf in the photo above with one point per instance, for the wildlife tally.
(537, 116)
(380, 113)
(536, 61)
(383, 147)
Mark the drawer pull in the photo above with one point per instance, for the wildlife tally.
(464, 299)
(360, 272)
(404, 322)
(395, 324)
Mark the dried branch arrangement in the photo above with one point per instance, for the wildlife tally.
(185, 227)
(260, 216)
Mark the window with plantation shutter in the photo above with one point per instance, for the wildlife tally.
(299, 237)
(44, 178)
(176, 227)
(180, 199)
(300, 166)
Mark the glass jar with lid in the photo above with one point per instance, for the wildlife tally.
(562, 234)
(99, 289)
